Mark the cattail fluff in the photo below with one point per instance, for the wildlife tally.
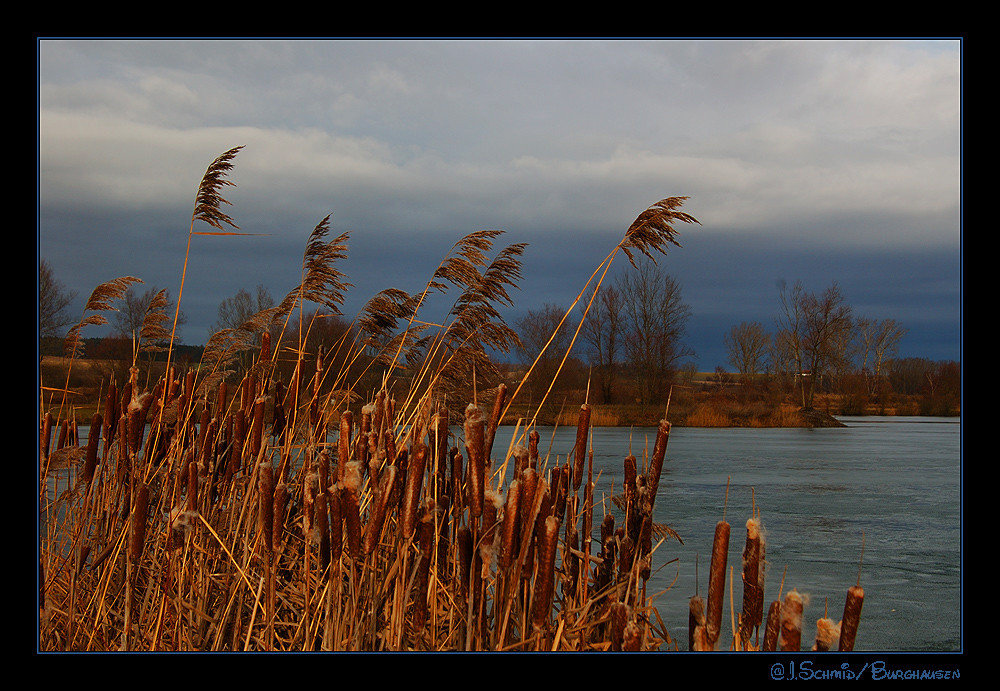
(827, 633)
(852, 616)
(791, 622)
(474, 446)
(618, 616)
(697, 637)
(717, 581)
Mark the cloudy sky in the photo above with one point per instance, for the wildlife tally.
(816, 160)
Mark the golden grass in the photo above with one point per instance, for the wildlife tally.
(219, 511)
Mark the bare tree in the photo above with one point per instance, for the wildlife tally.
(878, 341)
(134, 309)
(748, 344)
(813, 329)
(602, 333)
(535, 329)
(53, 302)
(655, 319)
(237, 310)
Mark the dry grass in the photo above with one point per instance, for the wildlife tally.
(219, 513)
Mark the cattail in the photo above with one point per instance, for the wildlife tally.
(93, 438)
(380, 509)
(772, 628)
(697, 640)
(464, 539)
(529, 488)
(457, 479)
(791, 622)
(474, 446)
(580, 450)
(509, 542)
(191, 467)
(618, 616)
(827, 633)
(350, 508)
(753, 597)
(852, 616)
(541, 602)
(416, 465)
(494, 421)
(520, 455)
(656, 460)
(423, 571)
(344, 443)
(633, 638)
(717, 581)
(257, 428)
(533, 438)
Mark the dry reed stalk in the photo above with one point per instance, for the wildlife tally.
(426, 544)
(717, 581)
(852, 617)
(265, 507)
(791, 622)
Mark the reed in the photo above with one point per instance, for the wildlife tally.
(242, 512)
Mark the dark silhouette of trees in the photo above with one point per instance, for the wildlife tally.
(53, 303)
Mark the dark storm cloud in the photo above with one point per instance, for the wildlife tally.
(814, 160)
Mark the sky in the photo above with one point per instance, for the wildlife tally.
(816, 160)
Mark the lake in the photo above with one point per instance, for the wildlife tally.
(889, 484)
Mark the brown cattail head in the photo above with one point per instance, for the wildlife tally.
(717, 581)
(772, 628)
(656, 460)
(618, 614)
(509, 542)
(545, 580)
(475, 448)
(416, 465)
(697, 640)
(344, 443)
(336, 522)
(753, 596)
(852, 616)
(351, 509)
(380, 510)
(791, 621)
